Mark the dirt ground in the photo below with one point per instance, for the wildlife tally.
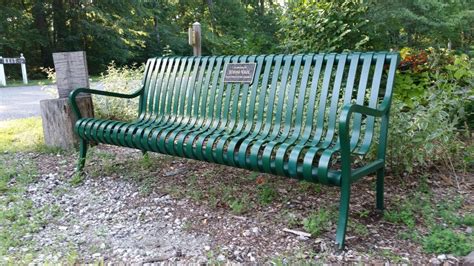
(127, 208)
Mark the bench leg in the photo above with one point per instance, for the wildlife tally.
(343, 215)
(82, 154)
(379, 189)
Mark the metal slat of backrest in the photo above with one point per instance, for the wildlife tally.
(192, 107)
(250, 121)
(134, 129)
(159, 136)
(143, 129)
(373, 101)
(361, 92)
(203, 86)
(150, 63)
(254, 121)
(284, 148)
(151, 83)
(333, 108)
(223, 113)
(157, 86)
(242, 110)
(265, 111)
(274, 117)
(325, 160)
(172, 87)
(287, 120)
(214, 110)
(309, 125)
(207, 111)
(160, 96)
(320, 119)
(142, 135)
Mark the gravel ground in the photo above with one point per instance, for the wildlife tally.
(129, 210)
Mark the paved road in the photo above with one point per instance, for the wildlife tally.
(21, 102)
(24, 101)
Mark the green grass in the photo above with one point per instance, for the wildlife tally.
(318, 222)
(33, 82)
(21, 135)
(443, 221)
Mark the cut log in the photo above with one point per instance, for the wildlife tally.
(58, 120)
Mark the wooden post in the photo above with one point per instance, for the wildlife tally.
(194, 38)
(58, 118)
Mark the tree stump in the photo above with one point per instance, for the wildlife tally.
(58, 120)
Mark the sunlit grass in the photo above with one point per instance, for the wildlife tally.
(21, 135)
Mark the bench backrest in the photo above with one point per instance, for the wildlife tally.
(291, 95)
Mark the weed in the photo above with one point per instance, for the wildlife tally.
(318, 222)
(239, 206)
(358, 228)
(446, 241)
(266, 193)
(76, 179)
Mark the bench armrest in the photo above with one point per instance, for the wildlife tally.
(74, 93)
(344, 124)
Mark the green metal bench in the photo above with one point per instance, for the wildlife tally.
(303, 116)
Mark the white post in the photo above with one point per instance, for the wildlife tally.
(23, 69)
(3, 81)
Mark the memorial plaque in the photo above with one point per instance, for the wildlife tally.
(239, 73)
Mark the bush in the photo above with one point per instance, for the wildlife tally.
(324, 26)
(446, 241)
(123, 80)
(429, 117)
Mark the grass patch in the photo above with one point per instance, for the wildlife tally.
(447, 241)
(32, 82)
(18, 217)
(21, 135)
(443, 220)
(318, 222)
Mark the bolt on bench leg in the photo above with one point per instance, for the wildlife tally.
(82, 154)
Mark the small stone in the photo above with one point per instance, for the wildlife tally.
(221, 257)
(255, 230)
(435, 261)
(102, 246)
(246, 233)
(207, 248)
(96, 255)
(442, 257)
(469, 230)
(469, 259)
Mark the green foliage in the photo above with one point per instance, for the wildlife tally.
(266, 193)
(429, 114)
(314, 26)
(318, 222)
(123, 80)
(420, 23)
(447, 241)
(24, 134)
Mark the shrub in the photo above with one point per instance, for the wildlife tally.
(123, 80)
(446, 241)
(429, 117)
(318, 222)
(310, 26)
